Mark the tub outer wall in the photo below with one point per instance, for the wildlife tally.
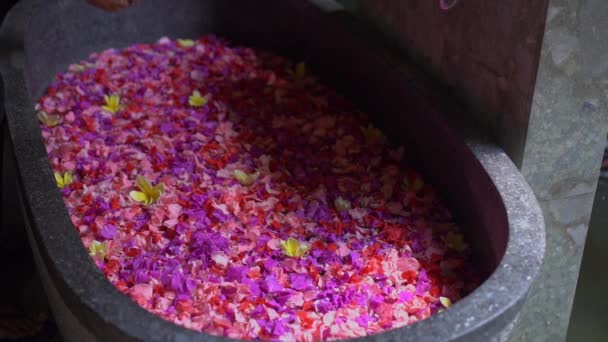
(487, 194)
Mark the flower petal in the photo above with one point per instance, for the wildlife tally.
(293, 248)
(245, 178)
(186, 42)
(300, 70)
(139, 196)
(445, 301)
(341, 204)
(59, 180)
(144, 185)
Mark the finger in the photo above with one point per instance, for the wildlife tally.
(111, 5)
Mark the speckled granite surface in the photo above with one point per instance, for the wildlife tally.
(564, 137)
(568, 121)
(563, 153)
(589, 311)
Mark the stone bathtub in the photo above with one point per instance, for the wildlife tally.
(484, 190)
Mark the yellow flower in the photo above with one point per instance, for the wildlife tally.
(414, 186)
(300, 71)
(196, 100)
(80, 67)
(455, 241)
(63, 180)
(98, 250)
(245, 178)
(112, 103)
(372, 135)
(186, 43)
(149, 194)
(341, 204)
(293, 248)
(445, 301)
(48, 120)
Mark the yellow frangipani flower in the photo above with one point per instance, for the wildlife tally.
(372, 135)
(445, 301)
(455, 241)
(98, 250)
(245, 178)
(63, 180)
(414, 186)
(80, 67)
(300, 71)
(197, 100)
(186, 43)
(48, 120)
(341, 204)
(293, 248)
(112, 103)
(149, 194)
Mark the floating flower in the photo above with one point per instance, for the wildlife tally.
(64, 180)
(98, 250)
(455, 241)
(294, 248)
(372, 135)
(416, 185)
(48, 120)
(196, 100)
(80, 67)
(112, 103)
(149, 194)
(245, 178)
(445, 301)
(186, 43)
(299, 71)
(341, 204)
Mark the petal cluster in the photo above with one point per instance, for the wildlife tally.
(269, 208)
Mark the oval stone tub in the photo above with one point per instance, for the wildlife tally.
(476, 180)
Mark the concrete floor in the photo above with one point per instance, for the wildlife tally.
(589, 319)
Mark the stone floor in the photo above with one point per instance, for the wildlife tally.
(589, 317)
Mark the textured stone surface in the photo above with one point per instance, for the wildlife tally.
(589, 311)
(546, 313)
(568, 122)
(563, 152)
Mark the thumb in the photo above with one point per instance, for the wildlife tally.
(111, 5)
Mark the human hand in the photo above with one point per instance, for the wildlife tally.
(112, 5)
(447, 4)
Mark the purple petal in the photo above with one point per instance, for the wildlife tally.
(108, 231)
